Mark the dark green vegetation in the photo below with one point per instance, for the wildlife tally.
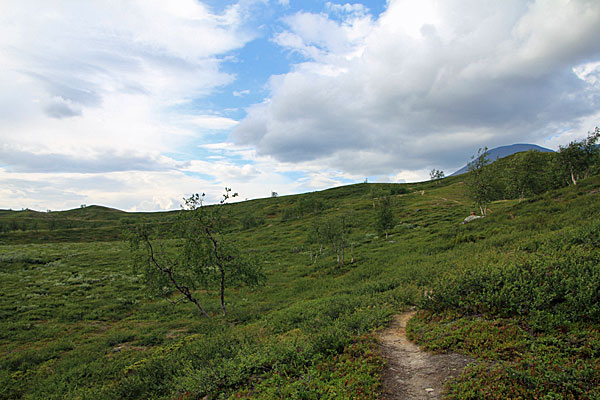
(531, 172)
(519, 289)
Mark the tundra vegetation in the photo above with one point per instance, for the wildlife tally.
(519, 290)
(206, 258)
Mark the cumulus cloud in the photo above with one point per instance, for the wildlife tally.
(427, 83)
(107, 77)
(94, 94)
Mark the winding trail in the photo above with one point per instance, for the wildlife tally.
(410, 373)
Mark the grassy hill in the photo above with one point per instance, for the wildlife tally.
(519, 290)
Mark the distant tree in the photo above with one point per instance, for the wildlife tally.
(333, 232)
(315, 242)
(579, 158)
(274, 194)
(436, 174)
(376, 193)
(527, 174)
(398, 189)
(207, 257)
(385, 216)
(479, 182)
(336, 231)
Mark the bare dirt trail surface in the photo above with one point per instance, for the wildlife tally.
(410, 373)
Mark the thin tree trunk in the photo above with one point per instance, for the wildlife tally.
(573, 178)
(223, 291)
(218, 261)
(169, 271)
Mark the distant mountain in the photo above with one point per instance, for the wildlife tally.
(505, 151)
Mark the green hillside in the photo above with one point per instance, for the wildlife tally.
(519, 290)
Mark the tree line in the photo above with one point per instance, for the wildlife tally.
(532, 172)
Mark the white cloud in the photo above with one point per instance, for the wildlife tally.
(132, 191)
(93, 94)
(85, 77)
(427, 84)
(95, 97)
(241, 93)
(212, 122)
(588, 72)
(322, 39)
(347, 8)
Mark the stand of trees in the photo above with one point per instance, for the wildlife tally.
(580, 159)
(531, 172)
(333, 233)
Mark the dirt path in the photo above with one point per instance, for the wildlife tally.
(411, 373)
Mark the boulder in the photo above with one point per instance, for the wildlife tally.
(471, 218)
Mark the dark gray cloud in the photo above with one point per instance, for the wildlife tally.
(430, 88)
(61, 109)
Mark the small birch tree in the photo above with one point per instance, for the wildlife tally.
(385, 216)
(579, 157)
(206, 258)
(479, 181)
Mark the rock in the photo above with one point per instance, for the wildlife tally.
(471, 218)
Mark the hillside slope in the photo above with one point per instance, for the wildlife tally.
(505, 151)
(77, 322)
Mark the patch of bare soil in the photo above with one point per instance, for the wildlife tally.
(410, 373)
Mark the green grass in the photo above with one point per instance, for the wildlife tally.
(76, 322)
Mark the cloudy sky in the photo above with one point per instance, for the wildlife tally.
(134, 104)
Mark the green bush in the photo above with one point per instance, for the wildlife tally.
(251, 221)
(558, 284)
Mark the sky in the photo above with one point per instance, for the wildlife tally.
(135, 104)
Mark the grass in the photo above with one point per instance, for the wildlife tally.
(76, 322)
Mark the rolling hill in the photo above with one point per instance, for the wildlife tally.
(517, 290)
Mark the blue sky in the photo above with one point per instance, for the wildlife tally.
(135, 104)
